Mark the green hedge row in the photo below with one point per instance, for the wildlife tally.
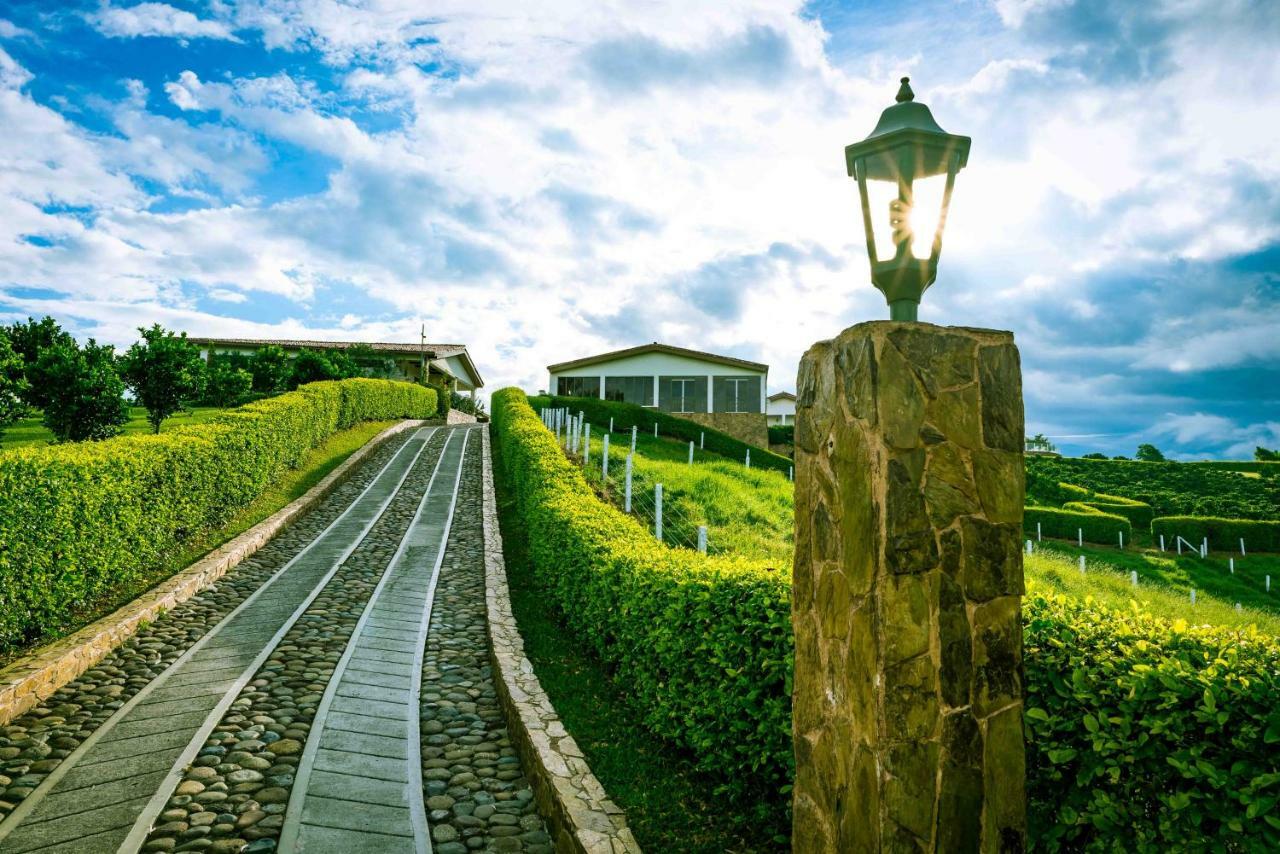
(626, 415)
(702, 645)
(80, 523)
(1223, 534)
(1137, 512)
(1148, 736)
(1097, 526)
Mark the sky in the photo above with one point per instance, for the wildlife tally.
(544, 181)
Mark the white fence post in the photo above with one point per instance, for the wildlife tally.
(748, 458)
(791, 473)
(1133, 578)
(1121, 533)
(634, 429)
(655, 429)
(1039, 538)
(1080, 537)
(1082, 564)
(1268, 584)
(1231, 565)
(586, 444)
(1179, 542)
(1204, 549)
(1237, 607)
(657, 510)
(610, 423)
(1162, 542)
(604, 459)
(1028, 547)
(1242, 547)
(1193, 596)
(702, 538)
(702, 441)
(690, 452)
(627, 500)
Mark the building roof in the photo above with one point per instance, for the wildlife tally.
(434, 351)
(655, 347)
(782, 395)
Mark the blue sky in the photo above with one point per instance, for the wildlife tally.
(546, 184)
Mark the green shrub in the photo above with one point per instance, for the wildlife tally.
(1137, 512)
(165, 372)
(1097, 527)
(82, 392)
(227, 385)
(782, 434)
(626, 415)
(1223, 534)
(702, 644)
(1146, 735)
(78, 523)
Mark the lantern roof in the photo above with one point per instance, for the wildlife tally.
(907, 143)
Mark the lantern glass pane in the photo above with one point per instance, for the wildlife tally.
(879, 196)
(926, 210)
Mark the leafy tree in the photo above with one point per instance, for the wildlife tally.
(1264, 455)
(1149, 453)
(310, 367)
(13, 384)
(271, 369)
(227, 384)
(370, 363)
(29, 340)
(1094, 456)
(344, 366)
(83, 393)
(1119, 457)
(165, 371)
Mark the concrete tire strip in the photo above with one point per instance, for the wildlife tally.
(103, 796)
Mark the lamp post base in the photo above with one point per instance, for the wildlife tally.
(904, 309)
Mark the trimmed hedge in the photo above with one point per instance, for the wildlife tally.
(1137, 512)
(782, 434)
(626, 415)
(1097, 526)
(81, 523)
(701, 644)
(1223, 534)
(1145, 735)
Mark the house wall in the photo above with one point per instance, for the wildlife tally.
(662, 364)
(782, 411)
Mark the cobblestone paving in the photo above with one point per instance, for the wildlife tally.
(477, 796)
(34, 744)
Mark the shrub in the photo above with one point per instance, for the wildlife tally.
(81, 393)
(270, 368)
(310, 366)
(164, 371)
(13, 384)
(1223, 534)
(29, 340)
(226, 385)
(1136, 512)
(1147, 735)
(702, 644)
(782, 434)
(627, 415)
(1097, 527)
(80, 524)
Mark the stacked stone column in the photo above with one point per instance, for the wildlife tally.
(907, 592)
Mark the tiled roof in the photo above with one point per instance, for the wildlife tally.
(782, 395)
(655, 347)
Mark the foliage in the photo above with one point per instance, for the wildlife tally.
(782, 434)
(1094, 456)
(1137, 512)
(226, 384)
(1094, 525)
(1266, 455)
(81, 522)
(1172, 489)
(311, 366)
(701, 644)
(29, 340)
(271, 369)
(462, 403)
(13, 384)
(626, 415)
(1146, 731)
(1149, 453)
(1223, 534)
(367, 362)
(165, 372)
(81, 392)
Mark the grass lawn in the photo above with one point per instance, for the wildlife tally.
(669, 807)
(29, 431)
(322, 459)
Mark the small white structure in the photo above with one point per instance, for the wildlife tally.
(781, 409)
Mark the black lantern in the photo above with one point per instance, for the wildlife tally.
(904, 156)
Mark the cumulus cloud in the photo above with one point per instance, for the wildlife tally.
(157, 19)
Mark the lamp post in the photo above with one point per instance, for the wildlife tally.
(906, 147)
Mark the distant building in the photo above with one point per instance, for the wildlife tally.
(723, 392)
(781, 409)
(407, 360)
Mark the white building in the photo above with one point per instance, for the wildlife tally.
(781, 409)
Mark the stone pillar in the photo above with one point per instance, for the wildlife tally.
(907, 714)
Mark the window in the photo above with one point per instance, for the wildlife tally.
(682, 394)
(737, 394)
(637, 390)
(578, 386)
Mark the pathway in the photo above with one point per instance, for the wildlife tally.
(294, 721)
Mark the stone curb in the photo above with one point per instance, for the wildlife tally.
(581, 817)
(30, 679)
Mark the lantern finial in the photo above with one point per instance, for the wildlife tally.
(904, 92)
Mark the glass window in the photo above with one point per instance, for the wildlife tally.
(682, 394)
(637, 390)
(578, 386)
(737, 394)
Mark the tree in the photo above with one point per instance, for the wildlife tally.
(310, 366)
(84, 395)
(1264, 455)
(29, 340)
(227, 384)
(1094, 456)
(165, 372)
(369, 362)
(344, 366)
(271, 369)
(1149, 453)
(13, 384)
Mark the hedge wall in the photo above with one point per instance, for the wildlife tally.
(1148, 736)
(1098, 527)
(1137, 512)
(79, 523)
(702, 645)
(626, 415)
(1223, 534)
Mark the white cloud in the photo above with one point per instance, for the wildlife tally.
(157, 19)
